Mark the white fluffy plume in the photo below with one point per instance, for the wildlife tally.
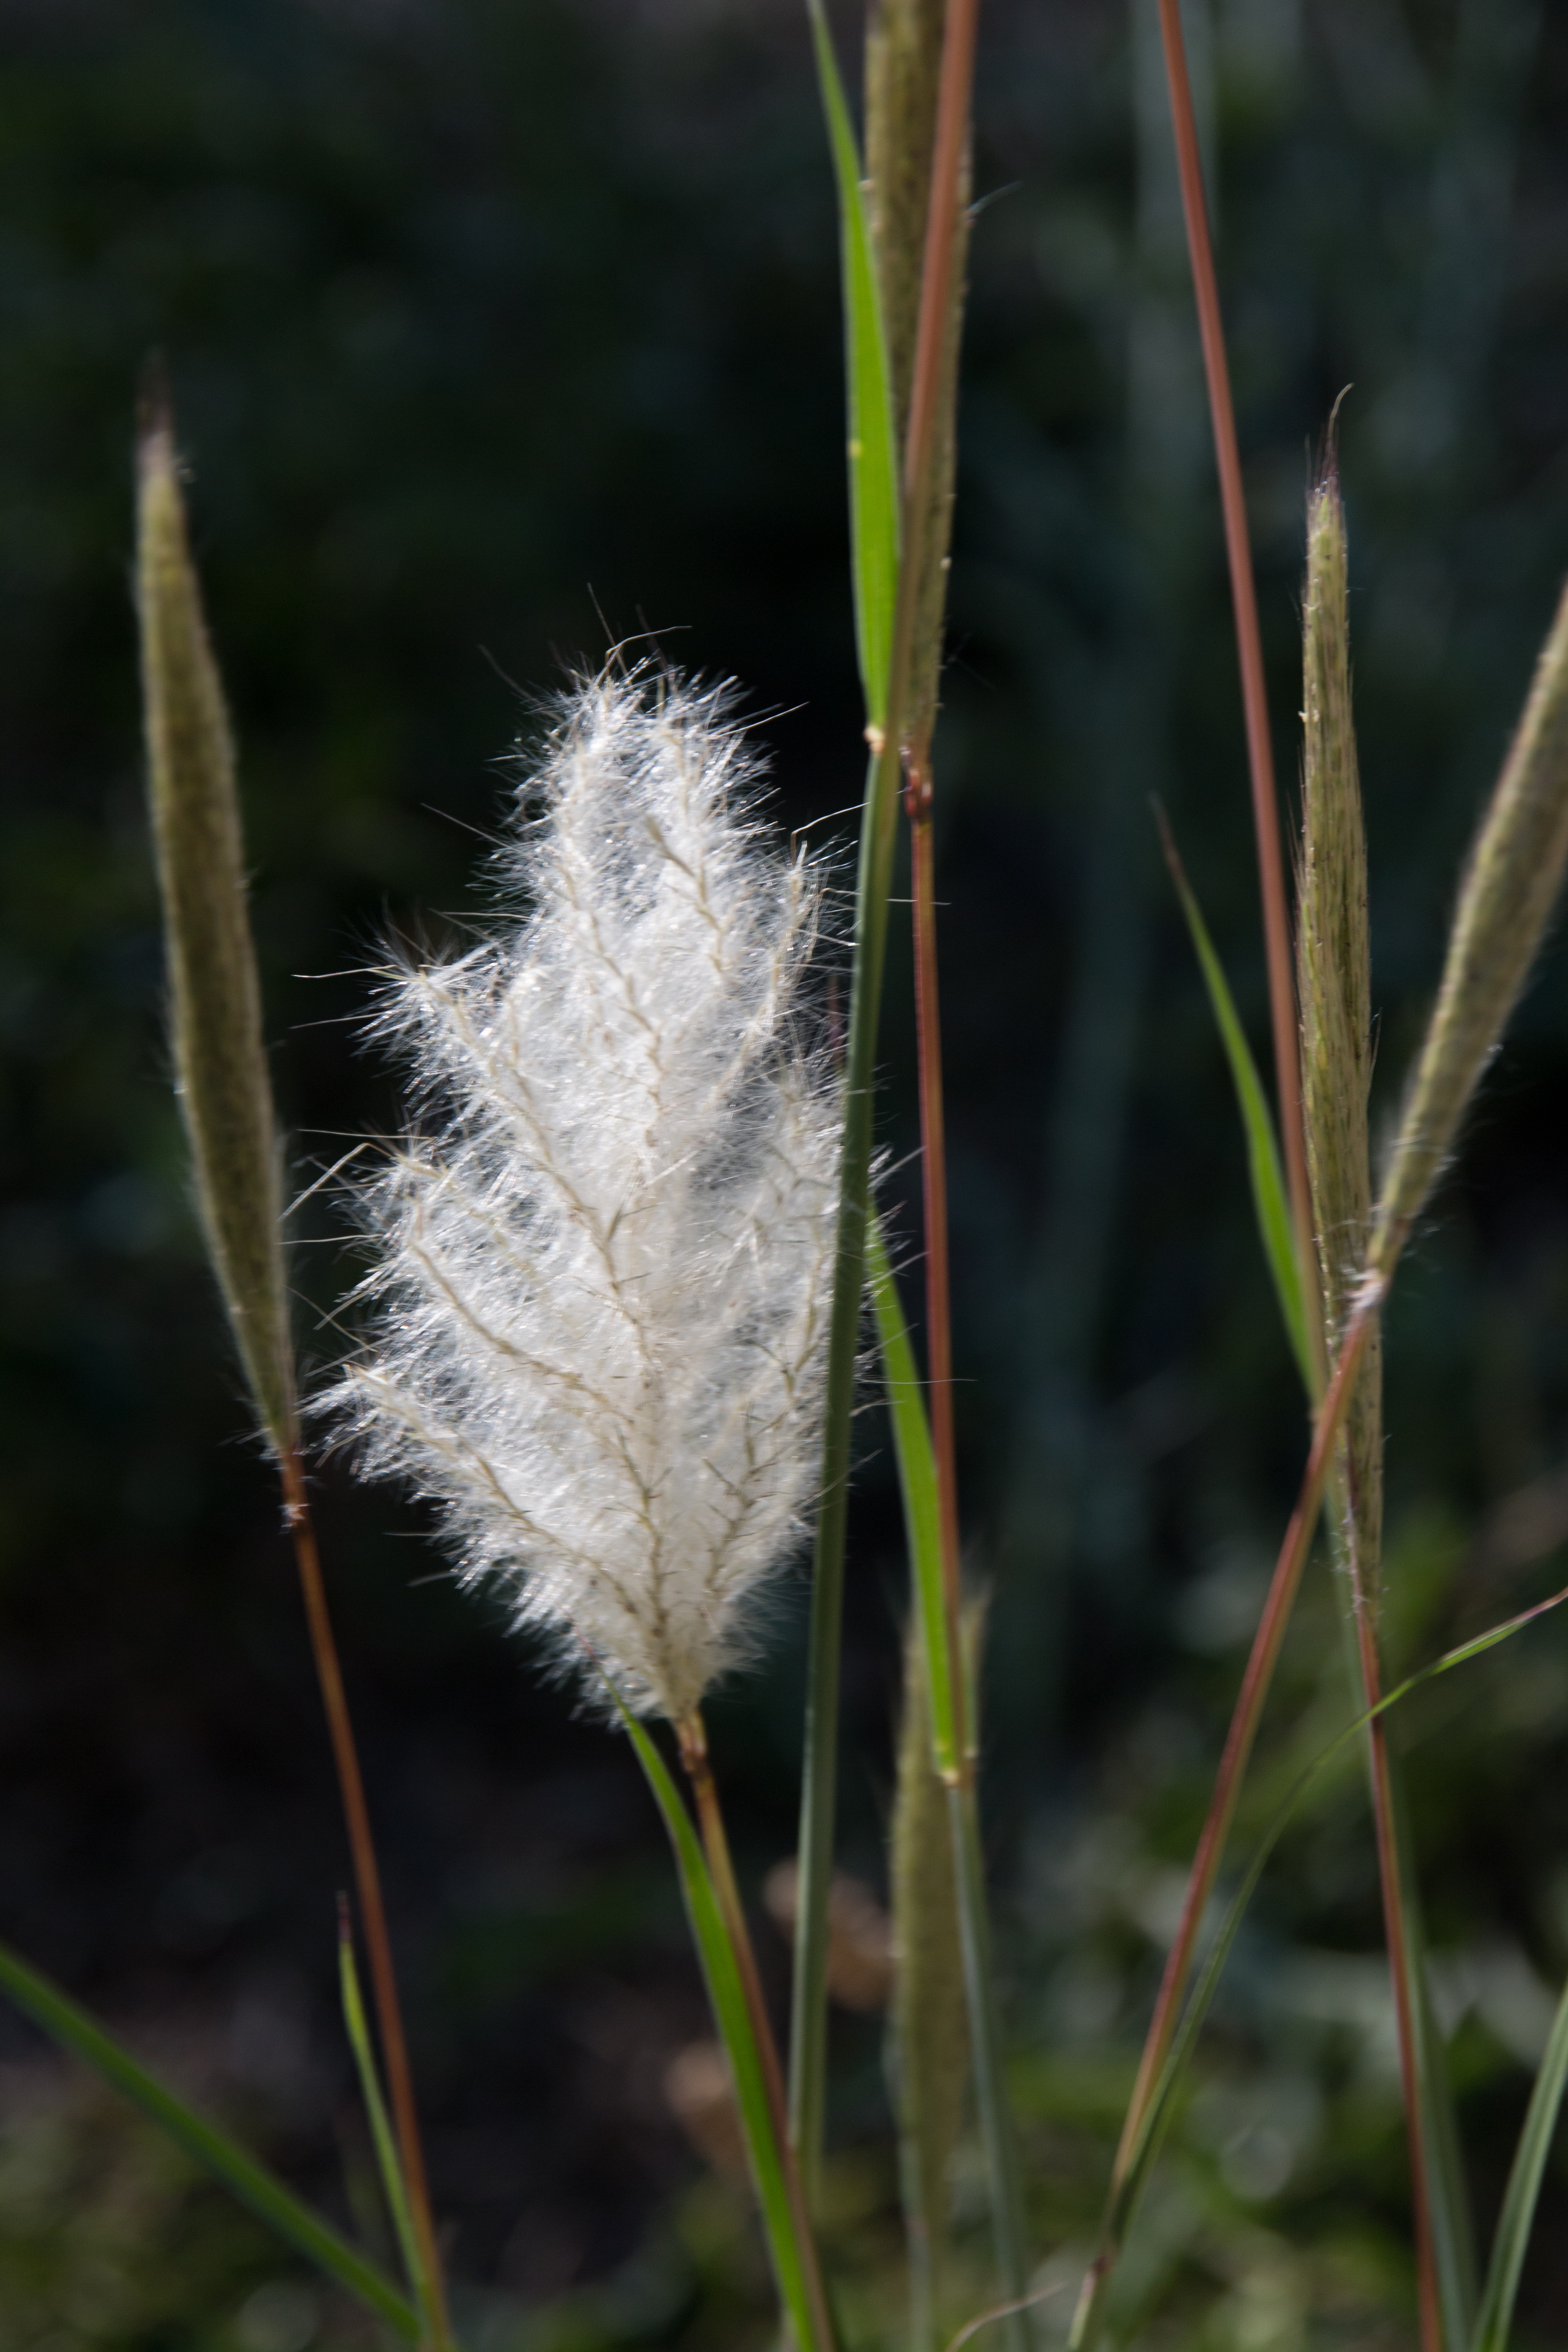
(601, 1300)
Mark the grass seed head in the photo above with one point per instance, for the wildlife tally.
(214, 1001)
(1505, 901)
(601, 1292)
(1333, 973)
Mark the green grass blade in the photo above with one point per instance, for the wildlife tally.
(917, 1482)
(875, 546)
(381, 2130)
(818, 1802)
(75, 2031)
(873, 456)
(1120, 2213)
(1270, 1199)
(727, 1996)
(1518, 2215)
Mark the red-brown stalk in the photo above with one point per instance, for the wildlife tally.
(954, 94)
(933, 1166)
(1395, 1931)
(367, 1882)
(1249, 642)
(1282, 1006)
(1244, 1724)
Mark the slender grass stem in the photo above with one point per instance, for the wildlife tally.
(1233, 1764)
(1249, 641)
(1396, 1931)
(975, 1931)
(693, 1738)
(918, 800)
(368, 1883)
(808, 2034)
(1282, 1006)
(808, 2019)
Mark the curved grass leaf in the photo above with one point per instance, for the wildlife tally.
(873, 456)
(266, 2197)
(917, 1483)
(727, 1996)
(381, 2130)
(1268, 1196)
(1121, 2209)
(1496, 2315)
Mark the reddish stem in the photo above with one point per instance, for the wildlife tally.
(1282, 1007)
(933, 1163)
(954, 94)
(367, 1878)
(1249, 642)
(954, 91)
(1398, 1941)
(1244, 1724)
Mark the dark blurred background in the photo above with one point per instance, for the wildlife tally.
(500, 329)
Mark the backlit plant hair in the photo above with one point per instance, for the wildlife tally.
(600, 1296)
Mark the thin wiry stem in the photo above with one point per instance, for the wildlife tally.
(1249, 642)
(938, 294)
(367, 1882)
(1396, 1931)
(1233, 1764)
(975, 1928)
(918, 798)
(808, 2035)
(808, 2019)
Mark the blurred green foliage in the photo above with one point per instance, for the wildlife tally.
(499, 332)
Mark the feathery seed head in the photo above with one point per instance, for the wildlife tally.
(215, 998)
(1506, 899)
(604, 1260)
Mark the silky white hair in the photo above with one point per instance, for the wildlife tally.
(599, 1308)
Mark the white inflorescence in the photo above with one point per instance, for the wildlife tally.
(602, 1296)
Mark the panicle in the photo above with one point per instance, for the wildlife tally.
(601, 1295)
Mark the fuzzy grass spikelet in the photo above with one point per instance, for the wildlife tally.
(601, 1294)
(1333, 969)
(1505, 903)
(215, 998)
